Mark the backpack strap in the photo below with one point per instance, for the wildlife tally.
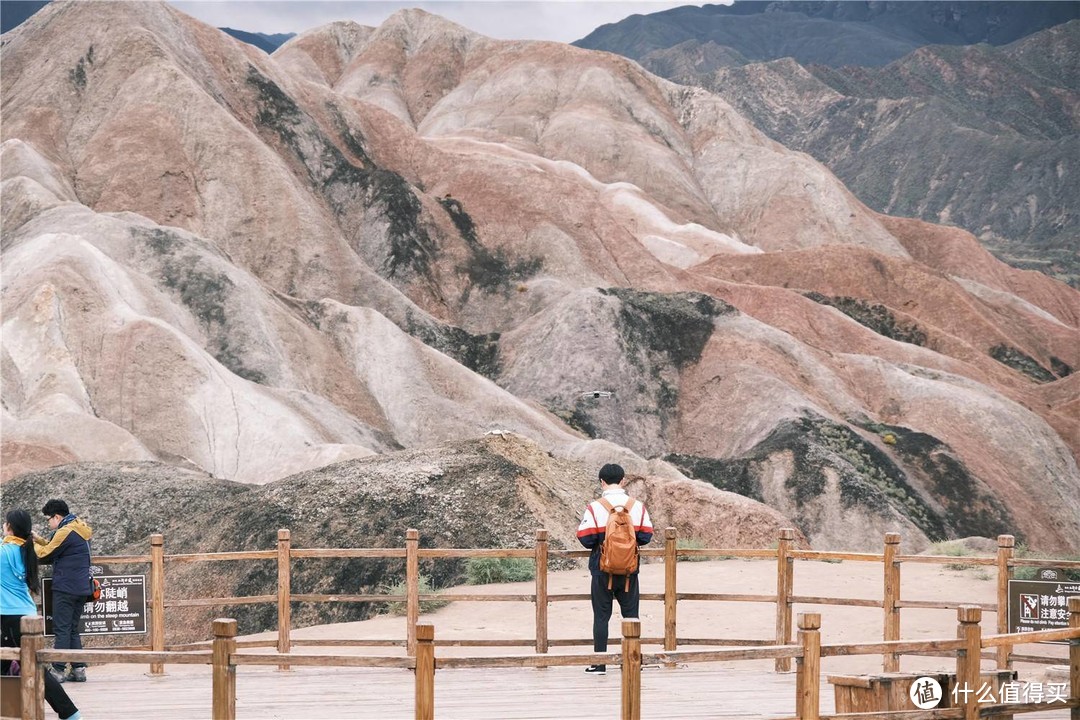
(611, 509)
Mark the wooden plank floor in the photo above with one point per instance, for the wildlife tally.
(710, 690)
(699, 691)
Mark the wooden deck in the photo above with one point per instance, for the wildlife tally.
(698, 691)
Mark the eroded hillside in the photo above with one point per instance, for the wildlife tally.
(384, 239)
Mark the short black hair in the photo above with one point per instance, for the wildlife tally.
(611, 474)
(55, 507)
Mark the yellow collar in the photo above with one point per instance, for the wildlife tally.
(14, 540)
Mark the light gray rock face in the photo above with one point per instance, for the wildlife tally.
(383, 239)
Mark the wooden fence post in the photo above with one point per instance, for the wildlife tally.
(631, 669)
(224, 680)
(671, 599)
(784, 581)
(157, 599)
(32, 680)
(890, 662)
(1004, 574)
(541, 591)
(412, 587)
(808, 668)
(968, 660)
(425, 671)
(1074, 656)
(284, 590)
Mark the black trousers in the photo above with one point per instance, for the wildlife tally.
(628, 597)
(66, 613)
(55, 695)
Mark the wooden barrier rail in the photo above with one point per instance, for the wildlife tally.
(785, 555)
(808, 653)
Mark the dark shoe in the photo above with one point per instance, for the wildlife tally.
(57, 675)
(596, 670)
(76, 675)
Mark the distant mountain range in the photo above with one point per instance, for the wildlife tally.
(897, 100)
(266, 43)
(829, 33)
(15, 12)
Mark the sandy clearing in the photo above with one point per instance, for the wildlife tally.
(698, 619)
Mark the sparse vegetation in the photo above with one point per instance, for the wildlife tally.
(1021, 362)
(343, 183)
(485, 571)
(876, 317)
(479, 353)
(875, 475)
(578, 418)
(694, 544)
(77, 75)
(951, 548)
(735, 475)
(677, 324)
(1060, 367)
(970, 508)
(1031, 573)
(487, 271)
(396, 607)
(206, 293)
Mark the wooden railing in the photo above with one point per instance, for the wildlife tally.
(808, 653)
(784, 555)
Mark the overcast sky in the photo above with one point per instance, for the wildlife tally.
(560, 20)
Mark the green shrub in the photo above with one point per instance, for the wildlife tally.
(488, 570)
(1031, 573)
(952, 549)
(692, 544)
(397, 607)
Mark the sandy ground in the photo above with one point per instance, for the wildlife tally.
(701, 619)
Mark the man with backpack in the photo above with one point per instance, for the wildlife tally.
(613, 527)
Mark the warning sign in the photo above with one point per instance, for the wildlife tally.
(1040, 604)
(121, 609)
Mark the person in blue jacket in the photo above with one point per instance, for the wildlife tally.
(69, 552)
(18, 575)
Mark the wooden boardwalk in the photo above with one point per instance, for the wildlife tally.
(121, 692)
(699, 691)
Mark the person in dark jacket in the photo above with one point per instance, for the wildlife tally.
(69, 552)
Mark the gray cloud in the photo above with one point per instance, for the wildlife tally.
(564, 21)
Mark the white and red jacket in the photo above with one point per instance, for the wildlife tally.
(593, 527)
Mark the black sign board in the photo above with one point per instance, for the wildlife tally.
(1040, 604)
(121, 609)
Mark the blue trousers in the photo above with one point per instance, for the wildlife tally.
(66, 614)
(628, 598)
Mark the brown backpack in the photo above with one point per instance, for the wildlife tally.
(619, 551)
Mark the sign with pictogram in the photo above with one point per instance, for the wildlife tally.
(1040, 604)
(120, 610)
